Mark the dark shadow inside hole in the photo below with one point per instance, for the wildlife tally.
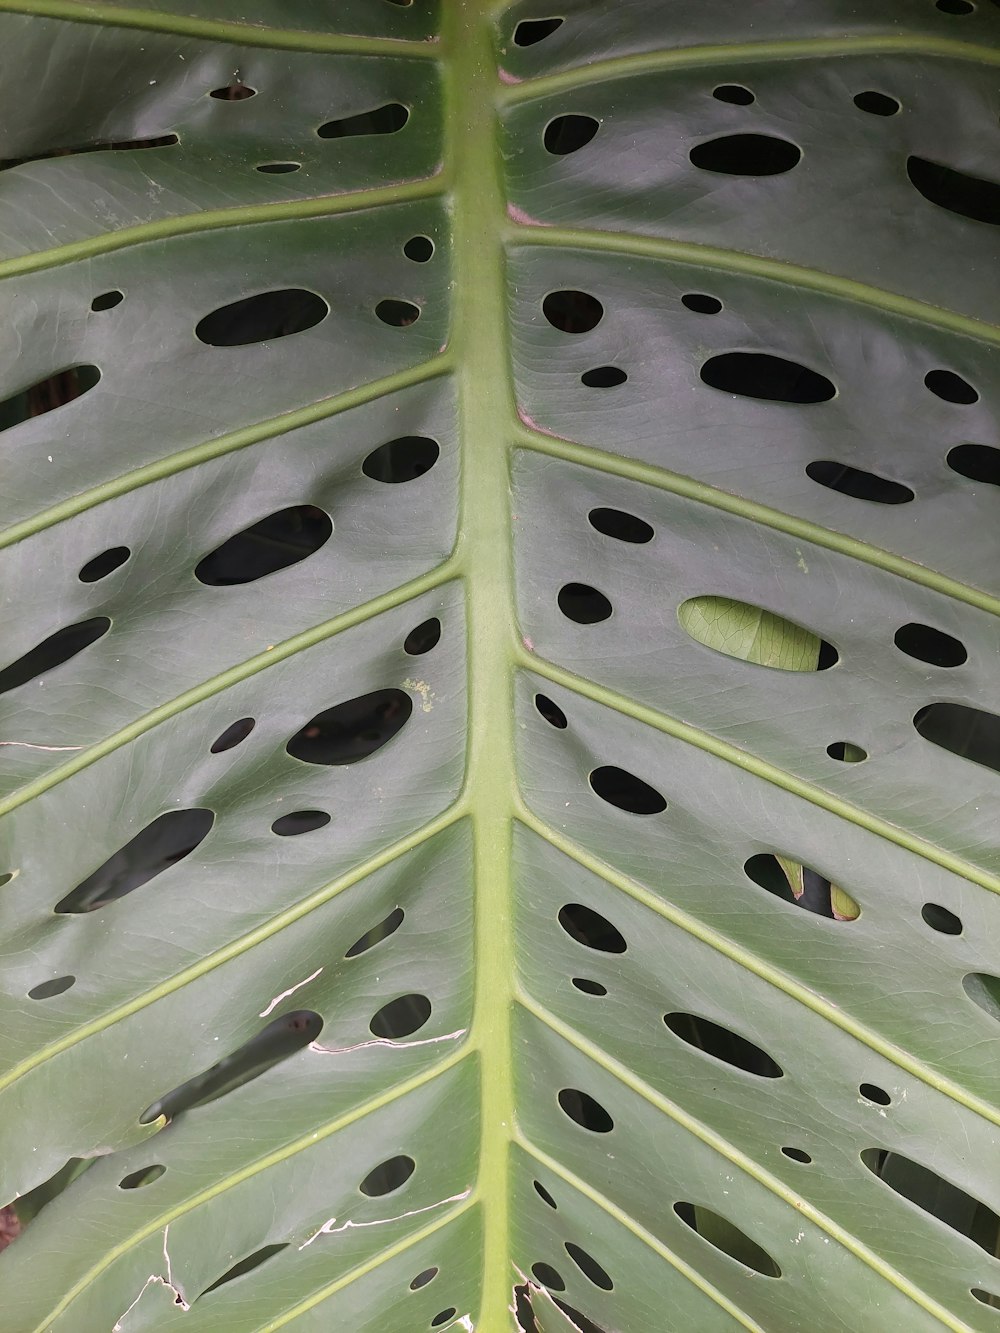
(401, 1017)
(279, 168)
(106, 301)
(589, 987)
(396, 313)
(945, 384)
(719, 1042)
(774, 379)
(423, 638)
(930, 645)
(161, 844)
(543, 1194)
(234, 92)
(27, 1206)
(846, 752)
(940, 919)
(233, 735)
(969, 196)
(585, 1111)
(956, 7)
(443, 1316)
(986, 1297)
(583, 604)
(144, 1176)
(53, 652)
(422, 1279)
(873, 1093)
(983, 990)
(625, 791)
(734, 93)
(419, 248)
(746, 155)
(876, 104)
(858, 484)
(56, 390)
(589, 1266)
(547, 1276)
(969, 732)
(588, 927)
(104, 564)
(273, 543)
(568, 134)
(603, 377)
(377, 934)
(620, 525)
(46, 990)
(552, 713)
(402, 460)
(531, 31)
(727, 1237)
(100, 146)
(276, 1042)
(936, 1196)
(978, 462)
(353, 730)
(262, 318)
(579, 1321)
(6, 877)
(247, 1265)
(572, 311)
(299, 821)
(387, 119)
(387, 1176)
(813, 893)
(797, 1155)
(701, 304)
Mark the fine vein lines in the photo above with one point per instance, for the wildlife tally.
(112, 1255)
(630, 1224)
(739, 1159)
(744, 53)
(759, 967)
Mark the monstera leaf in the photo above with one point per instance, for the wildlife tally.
(499, 711)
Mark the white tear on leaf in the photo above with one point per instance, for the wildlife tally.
(291, 991)
(329, 1229)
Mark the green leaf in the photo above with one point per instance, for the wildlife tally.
(419, 423)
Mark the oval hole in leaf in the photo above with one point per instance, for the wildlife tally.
(847, 752)
(247, 1265)
(235, 92)
(45, 990)
(299, 821)
(106, 301)
(970, 733)
(589, 1266)
(401, 1017)
(144, 1176)
(262, 318)
(422, 1279)
(276, 542)
(402, 460)
(978, 462)
(543, 1194)
(957, 7)
(930, 645)
(623, 527)
(54, 391)
(353, 730)
(387, 119)
(603, 377)
(531, 31)
(935, 1195)
(101, 146)
(377, 934)
(588, 927)
(701, 304)
(583, 604)
(6, 877)
(589, 987)
(746, 155)
(279, 168)
(568, 134)
(53, 652)
(968, 196)
(548, 1277)
(719, 1042)
(984, 990)
(419, 248)
(774, 379)
(950, 387)
(168, 839)
(276, 1042)
(585, 1110)
(873, 1093)
(396, 313)
(802, 886)
(940, 919)
(625, 791)
(734, 93)
(443, 1316)
(571, 311)
(387, 1176)
(423, 638)
(987, 1297)
(104, 564)
(727, 1238)
(233, 735)
(876, 104)
(797, 1155)
(751, 634)
(552, 713)
(858, 484)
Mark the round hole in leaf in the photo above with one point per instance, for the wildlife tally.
(262, 318)
(620, 525)
(568, 134)
(299, 821)
(107, 301)
(585, 1110)
(401, 1017)
(930, 645)
(774, 379)
(233, 734)
(45, 990)
(876, 104)
(858, 484)
(351, 731)
(235, 92)
(276, 542)
(956, 7)
(531, 31)
(279, 168)
(873, 1093)
(443, 1316)
(603, 377)
(386, 927)
(422, 1279)
(423, 638)
(951, 387)
(419, 248)
(402, 460)
(572, 311)
(746, 155)
(104, 564)
(144, 1176)
(797, 1155)
(387, 1176)
(625, 791)
(588, 927)
(721, 1233)
(940, 919)
(734, 93)
(701, 303)
(543, 1194)
(548, 1277)
(589, 987)
(583, 604)
(978, 462)
(396, 313)
(846, 752)
(552, 713)
(589, 1266)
